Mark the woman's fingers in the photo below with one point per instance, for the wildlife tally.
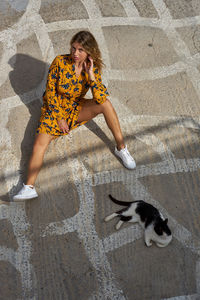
(63, 126)
(86, 66)
(90, 59)
(65, 129)
(91, 62)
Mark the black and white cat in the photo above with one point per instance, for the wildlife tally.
(155, 226)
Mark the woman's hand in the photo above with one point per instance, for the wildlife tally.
(63, 126)
(89, 67)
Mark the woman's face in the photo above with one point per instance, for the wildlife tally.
(78, 52)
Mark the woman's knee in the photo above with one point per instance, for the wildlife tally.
(99, 108)
(41, 142)
(107, 105)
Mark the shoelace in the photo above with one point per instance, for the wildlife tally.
(125, 151)
(23, 189)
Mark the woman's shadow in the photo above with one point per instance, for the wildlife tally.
(27, 80)
(28, 77)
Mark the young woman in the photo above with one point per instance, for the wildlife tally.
(65, 108)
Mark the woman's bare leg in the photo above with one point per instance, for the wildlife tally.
(113, 124)
(91, 109)
(41, 143)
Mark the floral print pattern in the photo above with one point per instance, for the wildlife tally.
(64, 95)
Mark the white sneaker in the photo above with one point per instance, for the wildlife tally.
(126, 158)
(26, 192)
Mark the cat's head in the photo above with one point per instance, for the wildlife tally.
(161, 227)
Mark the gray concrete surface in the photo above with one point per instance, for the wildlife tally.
(57, 246)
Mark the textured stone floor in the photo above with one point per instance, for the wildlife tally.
(58, 246)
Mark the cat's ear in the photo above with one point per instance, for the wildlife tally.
(166, 220)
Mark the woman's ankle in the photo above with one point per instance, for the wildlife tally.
(29, 184)
(120, 147)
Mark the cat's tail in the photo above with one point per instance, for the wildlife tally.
(123, 203)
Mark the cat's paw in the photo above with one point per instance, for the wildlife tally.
(161, 245)
(148, 244)
(117, 227)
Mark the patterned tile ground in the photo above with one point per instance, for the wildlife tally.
(58, 246)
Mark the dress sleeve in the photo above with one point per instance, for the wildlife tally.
(99, 91)
(52, 97)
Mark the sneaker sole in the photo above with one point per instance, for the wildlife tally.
(124, 164)
(130, 168)
(22, 199)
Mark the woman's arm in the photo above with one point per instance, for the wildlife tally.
(51, 95)
(99, 90)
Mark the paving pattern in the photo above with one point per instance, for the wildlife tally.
(57, 247)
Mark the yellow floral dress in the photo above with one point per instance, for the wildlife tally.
(64, 95)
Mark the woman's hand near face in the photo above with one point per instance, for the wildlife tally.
(63, 126)
(89, 67)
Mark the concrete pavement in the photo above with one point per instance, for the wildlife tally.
(58, 246)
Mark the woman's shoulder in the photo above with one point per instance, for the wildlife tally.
(63, 59)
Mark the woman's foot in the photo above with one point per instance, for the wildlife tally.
(127, 160)
(26, 192)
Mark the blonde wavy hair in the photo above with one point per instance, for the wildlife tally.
(88, 42)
